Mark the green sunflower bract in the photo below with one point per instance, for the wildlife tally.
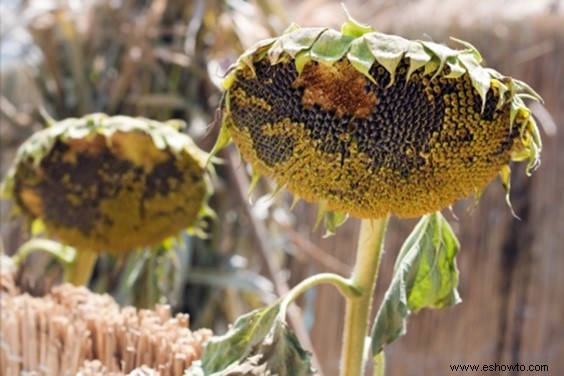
(371, 124)
(109, 183)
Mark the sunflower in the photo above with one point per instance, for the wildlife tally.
(105, 183)
(370, 124)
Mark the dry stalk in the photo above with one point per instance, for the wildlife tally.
(72, 330)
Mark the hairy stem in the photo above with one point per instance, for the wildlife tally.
(344, 285)
(370, 243)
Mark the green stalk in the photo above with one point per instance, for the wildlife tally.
(79, 272)
(379, 364)
(342, 284)
(357, 316)
(65, 255)
(78, 265)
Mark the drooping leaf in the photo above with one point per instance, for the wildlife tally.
(481, 80)
(360, 57)
(388, 51)
(332, 221)
(425, 276)
(354, 28)
(294, 41)
(418, 58)
(330, 46)
(441, 52)
(505, 176)
(259, 343)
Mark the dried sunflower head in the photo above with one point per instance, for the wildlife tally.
(109, 183)
(371, 124)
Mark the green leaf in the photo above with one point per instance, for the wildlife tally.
(361, 57)
(248, 56)
(481, 79)
(223, 139)
(505, 176)
(330, 47)
(469, 49)
(294, 42)
(354, 28)
(332, 221)
(442, 53)
(425, 276)
(259, 343)
(456, 68)
(418, 57)
(388, 50)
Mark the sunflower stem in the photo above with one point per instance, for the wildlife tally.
(379, 364)
(80, 271)
(357, 316)
(344, 285)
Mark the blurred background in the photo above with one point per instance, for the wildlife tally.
(165, 59)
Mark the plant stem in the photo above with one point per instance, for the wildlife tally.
(379, 364)
(370, 243)
(80, 271)
(64, 254)
(344, 285)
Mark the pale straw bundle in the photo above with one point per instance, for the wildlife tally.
(74, 331)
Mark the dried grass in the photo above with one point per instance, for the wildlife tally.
(73, 330)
